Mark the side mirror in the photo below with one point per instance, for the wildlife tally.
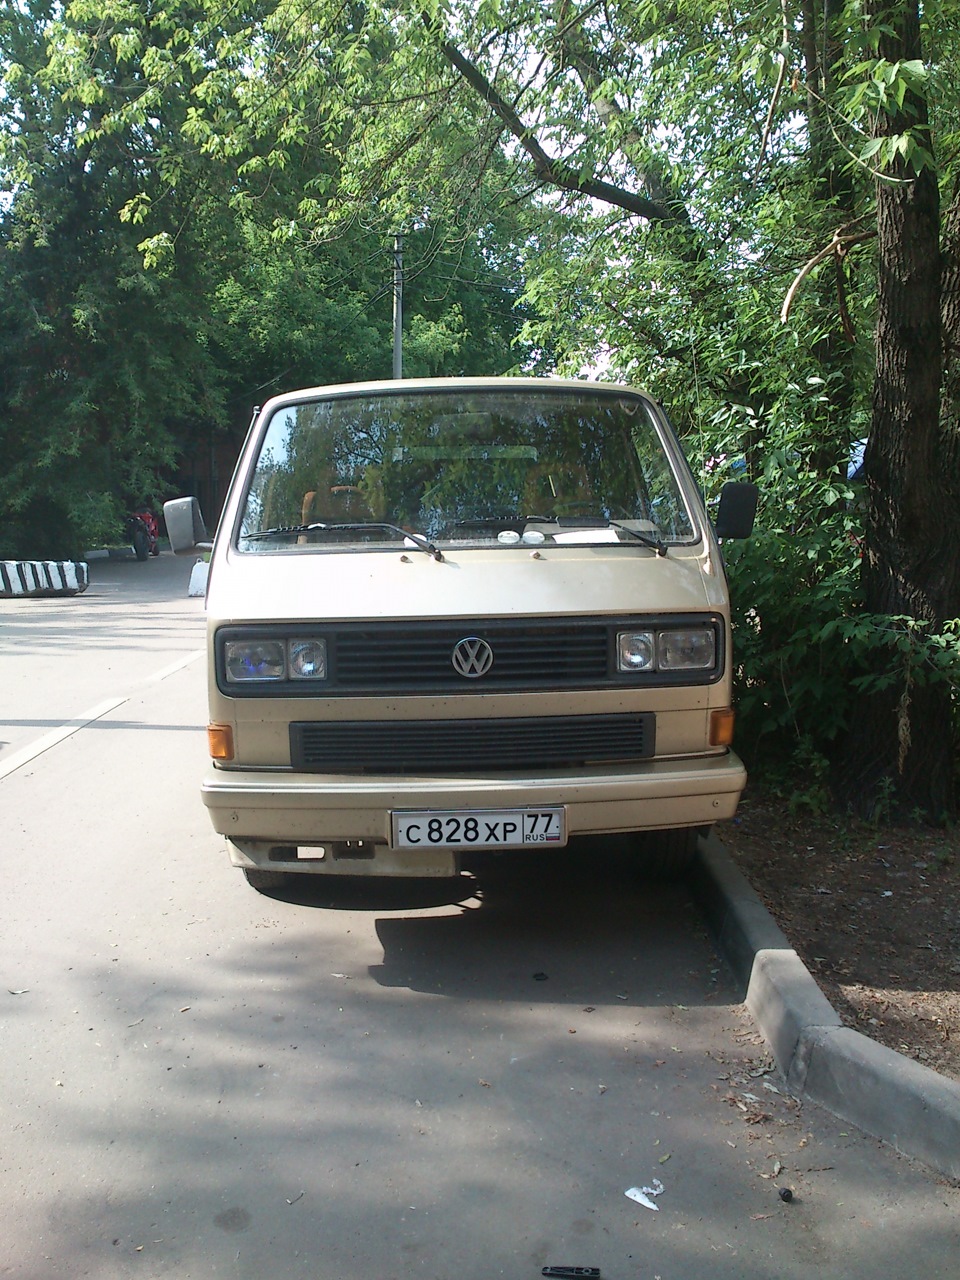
(738, 508)
(185, 527)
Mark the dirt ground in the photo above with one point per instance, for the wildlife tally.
(873, 911)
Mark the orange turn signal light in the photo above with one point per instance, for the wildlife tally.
(721, 727)
(220, 741)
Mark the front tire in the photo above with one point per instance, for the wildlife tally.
(668, 855)
(266, 881)
(141, 544)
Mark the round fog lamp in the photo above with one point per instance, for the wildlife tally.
(635, 650)
(308, 659)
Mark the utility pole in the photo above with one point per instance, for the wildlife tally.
(398, 306)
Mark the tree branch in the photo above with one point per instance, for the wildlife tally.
(576, 50)
(553, 172)
(839, 244)
(778, 89)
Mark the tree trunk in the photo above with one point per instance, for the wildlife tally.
(950, 318)
(903, 744)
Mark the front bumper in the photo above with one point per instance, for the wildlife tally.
(268, 815)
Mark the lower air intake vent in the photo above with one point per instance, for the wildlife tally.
(466, 746)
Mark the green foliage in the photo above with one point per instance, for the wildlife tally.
(159, 273)
(807, 654)
(789, 586)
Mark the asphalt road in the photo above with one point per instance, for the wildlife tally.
(366, 1081)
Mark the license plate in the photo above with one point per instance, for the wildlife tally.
(478, 828)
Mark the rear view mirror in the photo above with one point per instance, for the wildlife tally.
(185, 527)
(738, 507)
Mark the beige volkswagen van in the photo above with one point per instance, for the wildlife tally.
(459, 615)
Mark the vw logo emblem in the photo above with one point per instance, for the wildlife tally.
(472, 657)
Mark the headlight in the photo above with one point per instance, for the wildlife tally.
(672, 649)
(260, 659)
(307, 659)
(253, 660)
(635, 650)
(693, 650)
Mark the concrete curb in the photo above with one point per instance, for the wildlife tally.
(43, 577)
(861, 1082)
(111, 553)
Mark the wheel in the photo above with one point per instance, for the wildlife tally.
(668, 855)
(266, 881)
(141, 543)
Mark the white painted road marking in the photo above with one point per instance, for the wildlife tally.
(90, 716)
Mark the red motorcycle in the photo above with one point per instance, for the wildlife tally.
(143, 532)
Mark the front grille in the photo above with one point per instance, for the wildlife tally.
(404, 658)
(466, 746)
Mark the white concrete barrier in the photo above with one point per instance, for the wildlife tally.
(198, 579)
(43, 577)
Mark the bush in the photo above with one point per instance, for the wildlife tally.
(806, 653)
(60, 528)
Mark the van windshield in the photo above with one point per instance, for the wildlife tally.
(467, 466)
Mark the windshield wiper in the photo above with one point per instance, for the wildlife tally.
(651, 540)
(282, 531)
